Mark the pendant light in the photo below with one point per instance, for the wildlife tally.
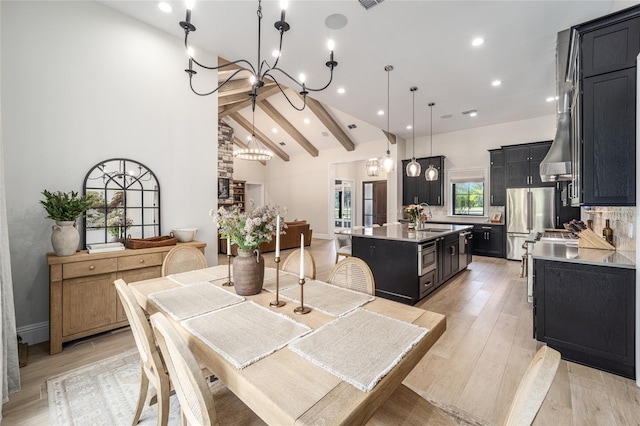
(373, 167)
(431, 173)
(387, 162)
(413, 168)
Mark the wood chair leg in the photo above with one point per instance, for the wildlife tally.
(142, 397)
(163, 402)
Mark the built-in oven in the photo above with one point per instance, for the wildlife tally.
(427, 267)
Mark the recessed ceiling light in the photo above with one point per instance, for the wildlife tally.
(325, 134)
(381, 112)
(496, 82)
(274, 130)
(478, 41)
(307, 121)
(409, 127)
(550, 99)
(473, 113)
(165, 7)
(341, 90)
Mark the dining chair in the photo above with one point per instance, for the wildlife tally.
(405, 406)
(183, 259)
(153, 369)
(292, 263)
(196, 399)
(343, 246)
(357, 227)
(375, 225)
(353, 273)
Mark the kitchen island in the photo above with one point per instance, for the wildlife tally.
(584, 305)
(408, 264)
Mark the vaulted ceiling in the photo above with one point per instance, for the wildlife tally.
(427, 42)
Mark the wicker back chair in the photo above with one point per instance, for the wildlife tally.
(153, 368)
(343, 245)
(183, 259)
(292, 263)
(353, 273)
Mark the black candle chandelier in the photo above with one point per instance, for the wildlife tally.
(263, 70)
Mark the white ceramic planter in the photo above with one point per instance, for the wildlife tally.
(65, 238)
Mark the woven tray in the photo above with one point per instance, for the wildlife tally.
(140, 243)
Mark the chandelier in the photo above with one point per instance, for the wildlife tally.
(373, 167)
(263, 70)
(254, 150)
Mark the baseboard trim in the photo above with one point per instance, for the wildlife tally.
(322, 236)
(34, 333)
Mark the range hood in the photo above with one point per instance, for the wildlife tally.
(556, 166)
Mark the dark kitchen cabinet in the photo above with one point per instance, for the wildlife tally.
(449, 257)
(609, 139)
(416, 190)
(488, 240)
(610, 48)
(587, 313)
(522, 164)
(498, 193)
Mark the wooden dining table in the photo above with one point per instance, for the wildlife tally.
(285, 388)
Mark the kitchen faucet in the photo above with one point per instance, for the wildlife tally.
(427, 210)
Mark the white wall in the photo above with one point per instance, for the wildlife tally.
(82, 83)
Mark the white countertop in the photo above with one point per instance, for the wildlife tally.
(401, 232)
(563, 252)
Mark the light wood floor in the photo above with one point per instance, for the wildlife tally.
(476, 365)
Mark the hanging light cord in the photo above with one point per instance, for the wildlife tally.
(388, 106)
(413, 125)
(431, 130)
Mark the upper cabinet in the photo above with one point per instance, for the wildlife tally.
(606, 109)
(416, 190)
(522, 164)
(498, 190)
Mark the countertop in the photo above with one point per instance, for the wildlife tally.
(563, 252)
(401, 232)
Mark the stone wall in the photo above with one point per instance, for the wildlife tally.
(225, 159)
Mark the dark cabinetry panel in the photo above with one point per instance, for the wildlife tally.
(449, 257)
(498, 193)
(416, 190)
(488, 240)
(608, 129)
(587, 313)
(611, 48)
(522, 163)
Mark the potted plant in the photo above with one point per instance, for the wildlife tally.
(65, 208)
(248, 230)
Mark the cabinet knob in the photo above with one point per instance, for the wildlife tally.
(141, 260)
(91, 268)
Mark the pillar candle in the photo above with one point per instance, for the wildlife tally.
(301, 256)
(278, 236)
(228, 246)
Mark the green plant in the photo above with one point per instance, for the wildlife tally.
(65, 206)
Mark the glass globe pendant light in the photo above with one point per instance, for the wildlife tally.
(413, 168)
(387, 162)
(431, 173)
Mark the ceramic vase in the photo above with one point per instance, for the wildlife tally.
(248, 272)
(64, 238)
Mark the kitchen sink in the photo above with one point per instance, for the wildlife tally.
(435, 230)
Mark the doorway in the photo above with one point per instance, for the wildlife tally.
(374, 202)
(342, 203)
(254, 191)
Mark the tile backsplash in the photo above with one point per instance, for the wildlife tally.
(621, 219)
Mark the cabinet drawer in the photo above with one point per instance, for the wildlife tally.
(139, 261)
(89, 267)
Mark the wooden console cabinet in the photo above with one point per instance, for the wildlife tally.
(82, 298)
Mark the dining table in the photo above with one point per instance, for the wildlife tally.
(316, 368)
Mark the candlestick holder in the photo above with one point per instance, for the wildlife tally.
(301, 310)
(277, 303)
(229, 283)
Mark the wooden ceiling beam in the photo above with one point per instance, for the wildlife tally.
(261, 136)
(263, 93)
(288, 127)
(323, 115)
(243, 145)
(390, 136)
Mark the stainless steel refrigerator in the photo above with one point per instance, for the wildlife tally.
(528, 210)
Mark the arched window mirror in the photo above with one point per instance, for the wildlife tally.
(127, 202)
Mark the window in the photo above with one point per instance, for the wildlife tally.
(468, 198)
(342, 203)
(467, 192)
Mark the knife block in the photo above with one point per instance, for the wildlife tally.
(589, 239)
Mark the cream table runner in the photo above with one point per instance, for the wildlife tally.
(246, 332)
(360, 347)
(327, 298)
(195, 299)
(200, 275)
(287, 280)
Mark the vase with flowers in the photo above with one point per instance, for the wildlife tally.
(414, 212)
(248, 230)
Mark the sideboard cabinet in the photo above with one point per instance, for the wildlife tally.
(82, 297)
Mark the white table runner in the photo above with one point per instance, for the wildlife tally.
(360, 347)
